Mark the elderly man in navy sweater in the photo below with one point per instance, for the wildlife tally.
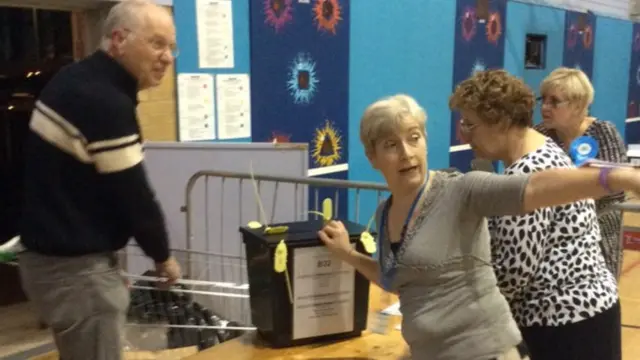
(86, 191)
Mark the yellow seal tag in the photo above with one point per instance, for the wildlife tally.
(368, 242)
(280, 257)
(327, 209)
(276, 230)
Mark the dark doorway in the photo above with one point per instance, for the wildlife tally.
(34, 45)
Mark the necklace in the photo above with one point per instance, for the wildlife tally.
(387, 274)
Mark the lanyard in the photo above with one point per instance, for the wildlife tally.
(388, 274)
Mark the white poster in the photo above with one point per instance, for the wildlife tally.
(323, 293)
(196, 108)
(214, 23)
(234, 106)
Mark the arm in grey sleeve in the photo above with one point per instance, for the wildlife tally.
(369, 266)
(489, 194)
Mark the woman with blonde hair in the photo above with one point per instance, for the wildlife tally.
(433, 240)
(548, 262)
(565, 97)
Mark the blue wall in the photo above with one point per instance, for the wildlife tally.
(523, 19)
(612, 59)
(410, 49)
(632, 128)
(420, 52)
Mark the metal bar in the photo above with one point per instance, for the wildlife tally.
(316, 203)
(357, 201)
(206, 213)
(633, 207)
(222, 266)
(258, 208)
(335, 204)
(295, 203)
(273, 207)
(241, 251)
(319, 182)
(197, 252)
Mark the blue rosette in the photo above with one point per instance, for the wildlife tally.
(583, 149)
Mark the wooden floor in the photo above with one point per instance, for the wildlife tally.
(19, 330)
(629, 288)
(630, 299)
(392, 347)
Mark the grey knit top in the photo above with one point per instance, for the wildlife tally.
(450, 302)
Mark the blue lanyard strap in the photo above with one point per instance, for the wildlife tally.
(387, 274)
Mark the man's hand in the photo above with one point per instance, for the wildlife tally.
(169, 269)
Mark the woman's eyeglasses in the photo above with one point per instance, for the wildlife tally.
(550, 101)
(464, 127)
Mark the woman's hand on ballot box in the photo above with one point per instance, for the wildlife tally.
(336, 238)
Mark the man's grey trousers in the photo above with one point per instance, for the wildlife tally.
(83, 299)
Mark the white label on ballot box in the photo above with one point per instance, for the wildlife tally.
(323, 293)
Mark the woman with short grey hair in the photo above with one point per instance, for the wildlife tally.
(433, 242)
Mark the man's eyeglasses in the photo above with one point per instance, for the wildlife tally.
(158, 45)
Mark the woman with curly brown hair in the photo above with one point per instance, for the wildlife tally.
(566, 95)
(548, 262)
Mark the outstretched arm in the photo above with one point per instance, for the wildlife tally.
(562, 186)
(491, 194)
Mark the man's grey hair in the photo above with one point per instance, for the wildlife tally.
(125, 14)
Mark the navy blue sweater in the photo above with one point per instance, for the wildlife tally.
(86, 189)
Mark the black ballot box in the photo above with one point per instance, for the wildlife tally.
(325, 298)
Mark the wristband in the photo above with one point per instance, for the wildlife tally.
(603, 178)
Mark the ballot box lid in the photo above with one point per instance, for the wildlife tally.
(299, 233)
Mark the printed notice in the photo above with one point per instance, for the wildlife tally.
(195, 107)
(324, 293)
(214, 22)
(234, 106)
